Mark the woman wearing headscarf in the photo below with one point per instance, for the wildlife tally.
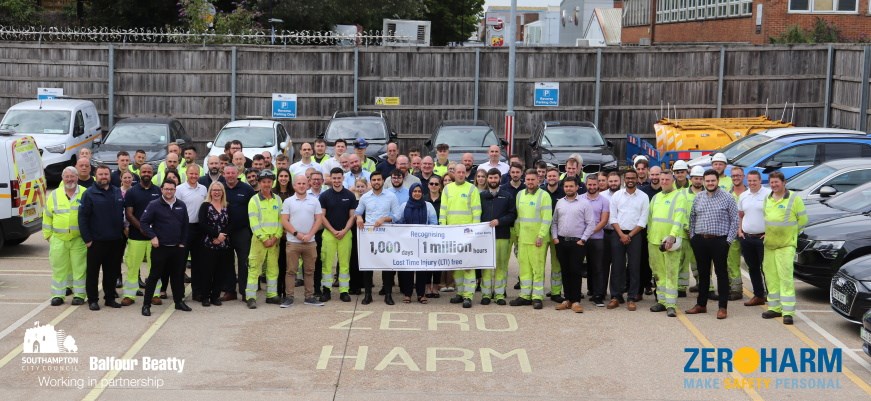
(416, 211)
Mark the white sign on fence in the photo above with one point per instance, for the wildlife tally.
(411, 247)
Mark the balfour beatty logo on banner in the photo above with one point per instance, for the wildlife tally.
(427, 247)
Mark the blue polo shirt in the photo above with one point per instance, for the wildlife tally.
(237, 205)
(138, 198)
(338, 206)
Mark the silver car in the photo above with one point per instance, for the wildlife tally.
(830, 179)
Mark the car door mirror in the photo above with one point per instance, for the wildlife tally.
(503, 142)
(282, 145)
(533, 143)
(827, 191)
(322, 135)
(610, 144)
(772, 165)
(98, 141)
(209, 145)
(393, 135)
(428, 143)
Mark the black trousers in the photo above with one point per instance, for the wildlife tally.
(215, 263)
(356, 282)
(570, 256)
(708, 250)
(752, 251)
(319, 240)
(106, 255)
(646, 272)
(387, 280)
(166, 259)
(406, 283)
(626, 266)
(240, 241)
(597, 270)
(422, 278)
(282, 266)
(193, 247)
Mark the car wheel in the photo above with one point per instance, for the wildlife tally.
(14, 242)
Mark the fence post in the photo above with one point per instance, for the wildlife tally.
(720, 81)
(598, 86)
(356, 74)
(827, 107)
(477, 78)
(233, 83)
(111, 108)
(863, 99)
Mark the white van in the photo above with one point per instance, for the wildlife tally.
(22, 188)
(60, 126)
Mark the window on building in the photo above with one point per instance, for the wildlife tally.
(636, 12)
(823, 6)
(690, 10)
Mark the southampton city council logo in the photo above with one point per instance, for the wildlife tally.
(44, 339)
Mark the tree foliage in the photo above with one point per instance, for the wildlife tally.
(18, 13)
(131, 14)
(822, 32)
(453, 20)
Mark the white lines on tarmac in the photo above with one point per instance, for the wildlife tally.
(24, 319)
(24, 258)
(19, 303)
(832, 339)
(814, 310)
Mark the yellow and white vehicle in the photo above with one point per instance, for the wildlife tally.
(22, 188)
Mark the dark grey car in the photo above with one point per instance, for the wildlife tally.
(466, 136)
(554, 141)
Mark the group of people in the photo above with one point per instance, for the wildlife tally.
(240, 223)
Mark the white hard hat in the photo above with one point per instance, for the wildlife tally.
(719, 157)
(697, 171)
(637, 158)
(680, 165)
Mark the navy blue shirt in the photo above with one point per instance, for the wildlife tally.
(555, 195)
(237, 205)
(507, 186)
(101, 215)
(385, 168)
(338, 206)
(169, 225)
(206, 180)
(138, 198)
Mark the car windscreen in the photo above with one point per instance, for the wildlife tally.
(136, 134)
(757, 153)
(737, 148)
(37, 121)
(251, 137)
(857, 200)
(351, 128)
(809, 177)
(470, 137)
(567, 137)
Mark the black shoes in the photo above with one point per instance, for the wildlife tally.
(388, 299)
(520, 302)
(57, 301)
(657, 307)
(670, 312)
(457, 299)
(381, 291)
(467, 303)
(93, 306)
(787, 320)
(113, 304)
(501, 302)
(118, 283)
(485, 301)
(325, 295)
(770, 314)
(517, 286)
(78, 301)
(146, 310)
(681, 294)
(273, 300)
(537, 304)
(557, 298)
(252, 303)
(182, 306)
(344, 297)
(367, 298)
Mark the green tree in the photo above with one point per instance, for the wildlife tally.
(130, 14)
(18, 13)
(322, 15)
(822, 32)
(452, 20)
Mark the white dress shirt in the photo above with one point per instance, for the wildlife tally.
(629, 210)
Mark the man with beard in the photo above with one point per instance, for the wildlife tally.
(101, 223)
(378, 208)
(572, 226)
(555, 190)
(214, 173)
(138, 160)
(356, 172)
(629, 208)
(67, 253)
(499, 209)
(360, 146)
(407, 177)
(597, 268)
(338, 205)
(396, 186)
(651, 189)
(713, 226)
(533, 230)
(468, 160)
(681, 171)
(664, 227)
(688, 258)
(138, 245)
(264, 210)
(238, 195)
(461, 204)
(321, 157)
(733, 261)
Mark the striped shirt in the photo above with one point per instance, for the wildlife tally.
(714, 214)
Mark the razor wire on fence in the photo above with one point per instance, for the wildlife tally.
(182, 36)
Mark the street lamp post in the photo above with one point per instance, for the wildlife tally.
(512, 49)
(272, 22)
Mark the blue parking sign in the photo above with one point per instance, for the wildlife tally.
(283, 105)
(546, 94)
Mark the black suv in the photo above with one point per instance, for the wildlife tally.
(151, 134)
(369, 125)
(850, 294)
(466, 136)
(554, 141)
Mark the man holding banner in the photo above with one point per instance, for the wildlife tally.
(461, 204)
(378, 208)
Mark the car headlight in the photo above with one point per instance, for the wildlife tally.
(612, 165)
(829, 249)
(59, 148)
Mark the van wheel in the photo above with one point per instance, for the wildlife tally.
(13, 242)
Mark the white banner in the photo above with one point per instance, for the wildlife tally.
(412, 247)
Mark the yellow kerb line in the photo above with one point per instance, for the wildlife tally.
(805, 339)
(707, 343)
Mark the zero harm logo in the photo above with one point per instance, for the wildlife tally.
(804, 366)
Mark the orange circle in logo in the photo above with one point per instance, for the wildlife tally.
(746, 360)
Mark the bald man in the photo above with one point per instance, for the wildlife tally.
(468, 160)
(493, 154)
(83, 172)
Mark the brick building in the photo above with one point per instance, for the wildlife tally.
(747, 21)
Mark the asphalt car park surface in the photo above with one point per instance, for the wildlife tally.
(437, 351)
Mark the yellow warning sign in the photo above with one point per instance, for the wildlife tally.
(387, 101)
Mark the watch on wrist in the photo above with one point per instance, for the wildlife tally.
(295, 233)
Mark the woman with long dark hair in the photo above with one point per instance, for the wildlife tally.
(433, 282)
(416, 211)
(283, 189)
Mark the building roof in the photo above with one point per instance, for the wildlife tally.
(610, 20)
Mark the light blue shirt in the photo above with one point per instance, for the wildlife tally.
(431, 217)
(350, 179)
(378, 206)
(401, 193)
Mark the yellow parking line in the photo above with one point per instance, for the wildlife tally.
(804, 338)
(12, 354)
(137, 346)
(708, 344)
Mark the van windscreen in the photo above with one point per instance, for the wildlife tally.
(37, 121)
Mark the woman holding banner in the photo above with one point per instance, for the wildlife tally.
(416, 211)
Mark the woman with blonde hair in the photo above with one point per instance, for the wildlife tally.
(217, 253)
